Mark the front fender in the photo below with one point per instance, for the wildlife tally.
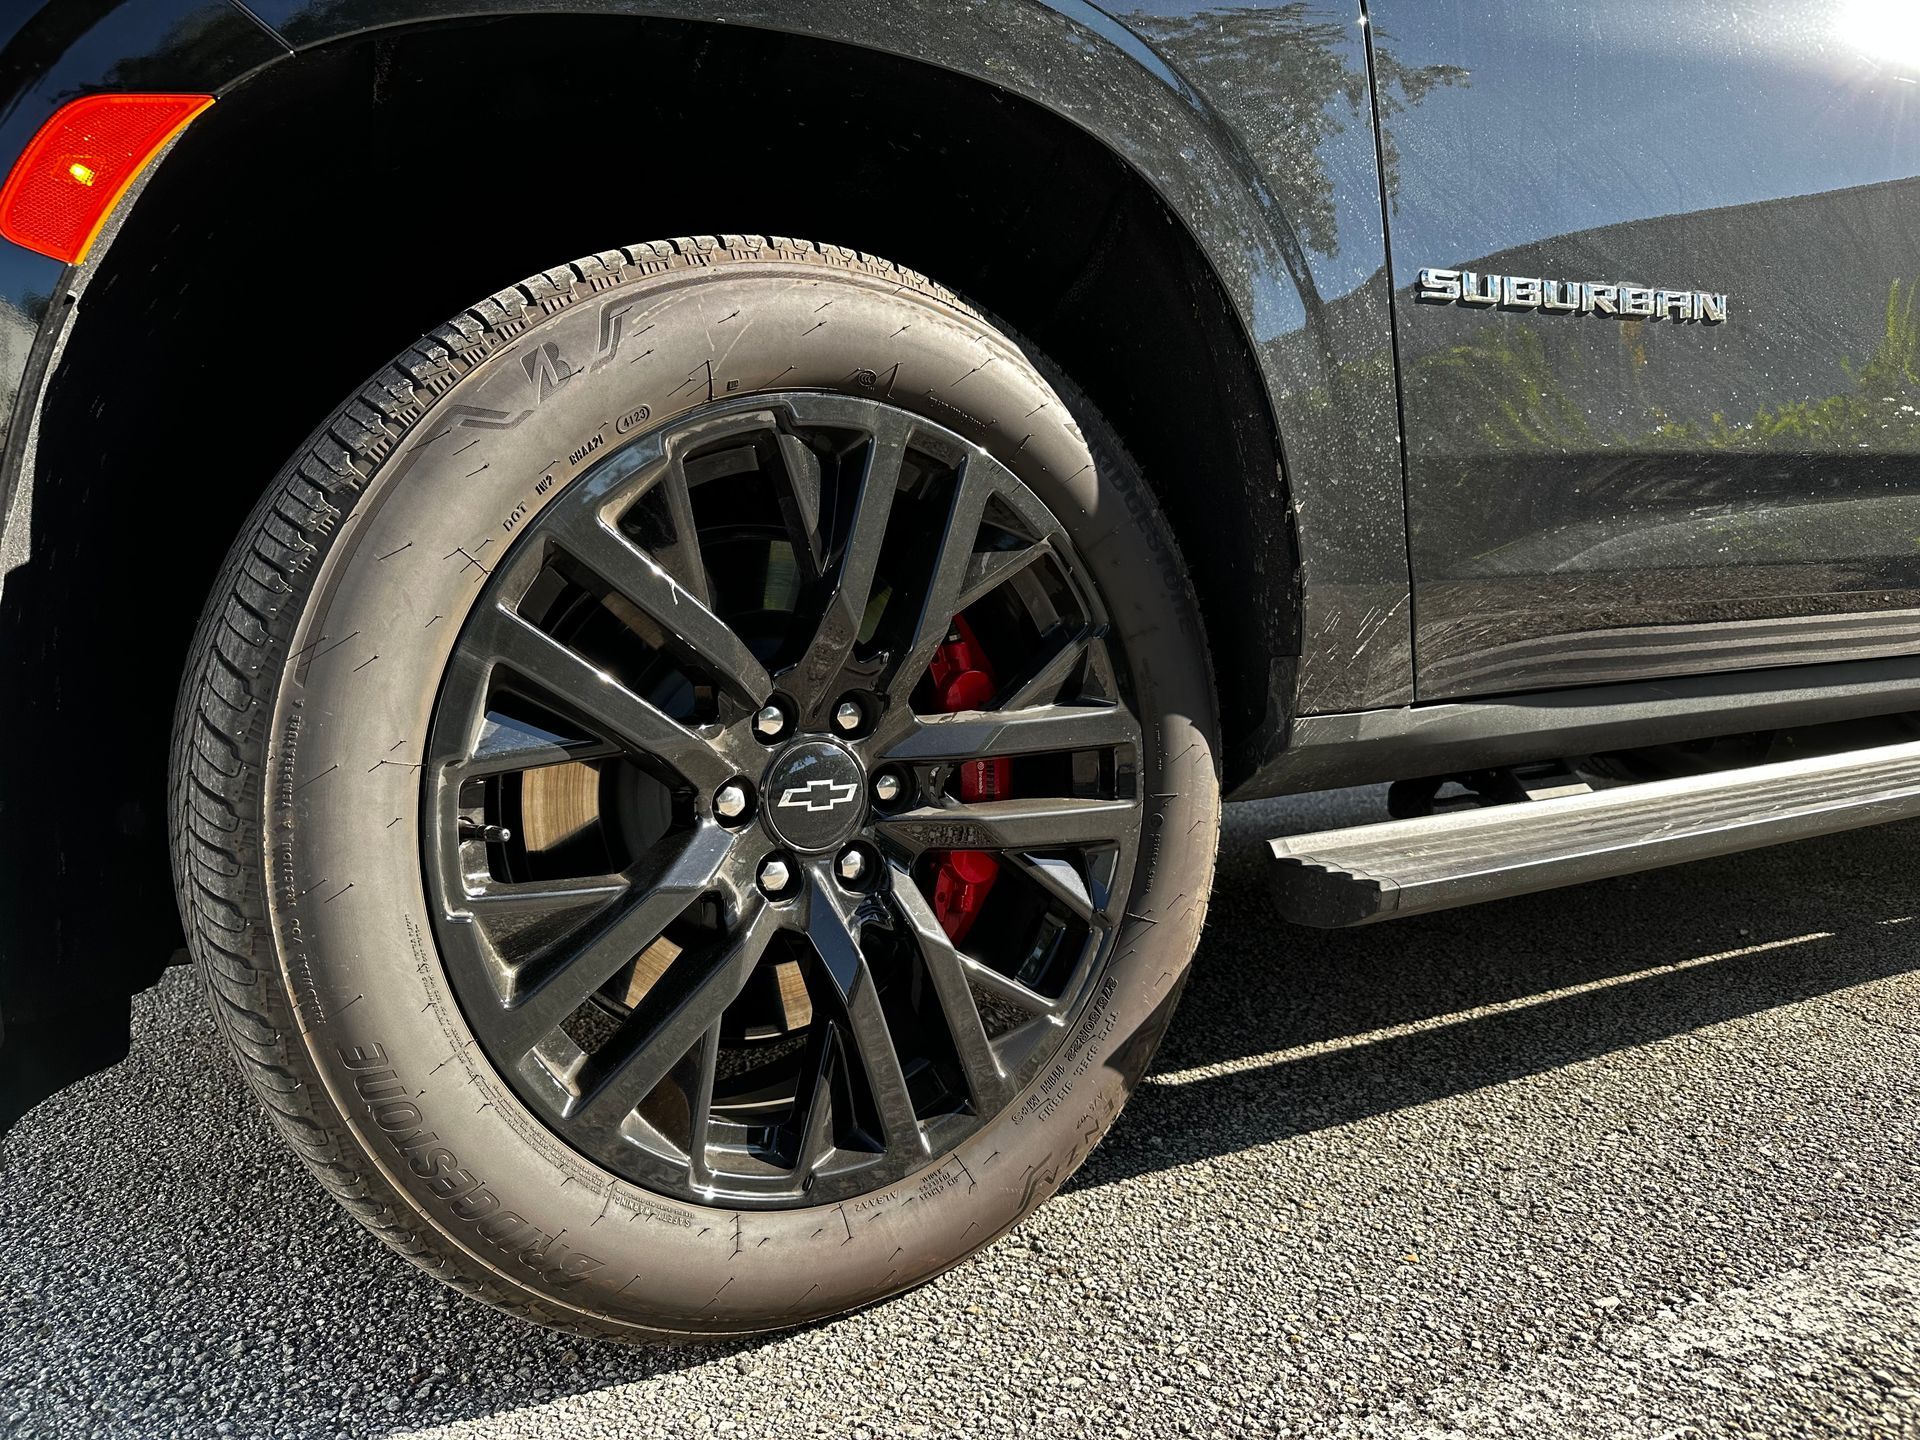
(1238, 117)
(65, 975)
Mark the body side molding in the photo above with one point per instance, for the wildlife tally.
(1376, 746)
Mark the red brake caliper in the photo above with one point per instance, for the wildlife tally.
(963, 680)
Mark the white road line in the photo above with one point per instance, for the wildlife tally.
(1850, 1323)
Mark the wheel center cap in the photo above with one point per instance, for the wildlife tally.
(815, 795)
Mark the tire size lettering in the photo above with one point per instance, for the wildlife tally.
(1052, 1091)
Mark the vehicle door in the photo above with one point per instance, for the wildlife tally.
(1654, 272)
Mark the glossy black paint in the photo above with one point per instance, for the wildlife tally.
(50, 54)
(1592, 499)
(1257, 123)
(1254, 123)
(1290, 82)
(66, 969)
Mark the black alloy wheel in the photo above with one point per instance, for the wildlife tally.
(728, 979)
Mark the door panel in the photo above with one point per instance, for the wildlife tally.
(1598, 496)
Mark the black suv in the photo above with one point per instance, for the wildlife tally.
(726, 735)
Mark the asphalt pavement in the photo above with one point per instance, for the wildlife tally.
(1633, 1160)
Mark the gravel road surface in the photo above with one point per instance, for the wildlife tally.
(1634, 1160)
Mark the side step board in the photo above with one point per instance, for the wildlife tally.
(1408, 867)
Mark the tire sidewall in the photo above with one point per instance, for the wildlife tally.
(340, 813)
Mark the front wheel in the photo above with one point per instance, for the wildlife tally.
(695, 794)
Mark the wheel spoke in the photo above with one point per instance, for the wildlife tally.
(531, 653)
(813, 680)
(973, 487)
(1037, 730)
(507, 746)
(533, 900)
(1060, 879)
(1005, 987)
(706, 1062)
(587, 537)
(986, 1081)
(1043, 686)
(846, 967)
(816, 1126)
(584, 966)
(1037, 824)
(653, 1054)
(683, 559)
(988, 570)
(800, 485)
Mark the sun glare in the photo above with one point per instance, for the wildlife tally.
(1887, 30)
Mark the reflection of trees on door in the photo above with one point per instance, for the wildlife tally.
(1499, 393)
(1881, 412)
(1293, 81)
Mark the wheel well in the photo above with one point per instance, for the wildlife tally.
(216, 332)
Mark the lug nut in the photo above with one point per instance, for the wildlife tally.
(775, 876)
(770, 723)
(730, 801)
(848, 717)
(887, 788)
(851, 867)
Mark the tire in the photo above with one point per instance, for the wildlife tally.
(311, 808)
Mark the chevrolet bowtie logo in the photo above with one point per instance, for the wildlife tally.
(818, 795)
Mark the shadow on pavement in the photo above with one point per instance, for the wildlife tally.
(1285, 1030)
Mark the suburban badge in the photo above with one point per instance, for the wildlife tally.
(1570, 297)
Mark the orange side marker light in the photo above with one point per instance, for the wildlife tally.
(75, 169)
